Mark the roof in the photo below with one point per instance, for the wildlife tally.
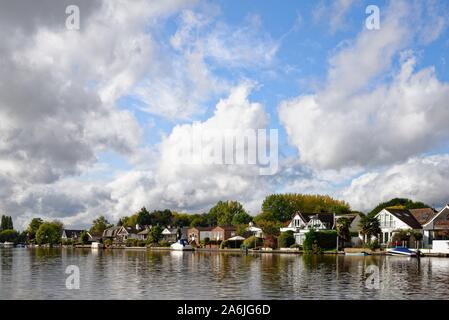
(111, 232)
(405, 216)
(72, 233)
(226, 228)
(423, 215)
(202, 228)
(326, 218)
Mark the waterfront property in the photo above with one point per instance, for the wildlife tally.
(223, 233)
(437, 226)
(73, 235)
(170, 234)
(302, 223)
(119, 234)
(392, 220)
(198, 234)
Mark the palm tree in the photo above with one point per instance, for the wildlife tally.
(343, 232)
(369, 227)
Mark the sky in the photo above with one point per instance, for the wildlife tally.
(93, 120)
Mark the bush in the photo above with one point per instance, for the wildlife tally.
(67, 242)
(373, 245)
(270, 241)
(286, 239)
(131, 242)
(327, 239)
(107, 242)
(252, 242)
(231, 244)
(9, 235)
(164, 243)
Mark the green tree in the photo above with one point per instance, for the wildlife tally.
(84, 237)
(269, 227)
(181, 219)
(143, 217)
(154, 235)
(343, 230)
(99, 225)
(33, 227)
(9, 235)
(369, 227)
(398, 203)
(6, 223)
(241, 218)
(281, 207)
(162, 217)
(226, 211)
(286, 239)
(49, 233)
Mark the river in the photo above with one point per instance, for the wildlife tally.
(40, 273)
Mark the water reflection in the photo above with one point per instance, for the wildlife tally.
(125, 274)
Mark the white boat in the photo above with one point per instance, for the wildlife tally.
(8, 244)
(181, 245)
(97, 245)
(402, 251)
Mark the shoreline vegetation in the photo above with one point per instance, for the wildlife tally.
(276, 212)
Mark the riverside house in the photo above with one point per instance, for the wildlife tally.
(392, 220)
(223, 233)
(437, 226)
(120, 234)
(302, 223)
(73, 235)
(170, 234)
(197, 234)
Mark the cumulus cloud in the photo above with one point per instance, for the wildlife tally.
(361, 118)
(420, 178)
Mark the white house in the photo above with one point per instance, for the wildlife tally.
(255, 230)
(302, 223)
(395, 219)
(437, 226)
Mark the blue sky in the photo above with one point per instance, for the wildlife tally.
(361, 114)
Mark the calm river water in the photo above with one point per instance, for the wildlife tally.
(125, 274)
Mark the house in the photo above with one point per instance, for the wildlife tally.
(254, 231)
(120, 234)
(223, 233)
(302, 223)
(197, 234)
(396, 219)
(170, 234)
(73, 235)
(143, 235)
(437, 226)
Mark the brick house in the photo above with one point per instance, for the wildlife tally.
(223, 233)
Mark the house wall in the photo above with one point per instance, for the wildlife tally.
(388, 224)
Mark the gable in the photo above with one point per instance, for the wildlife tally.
(441, 219)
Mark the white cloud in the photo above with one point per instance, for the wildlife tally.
(361, 117)
(423, 179)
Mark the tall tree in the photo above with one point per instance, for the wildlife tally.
(33, 227)
(401, 203)
(99, 225)
(226, 211)
(281, 207)
(369, 227)
(143, 217)
(6, 223)
(343, 229)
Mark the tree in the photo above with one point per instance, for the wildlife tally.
(226, 211)
(343, 229)
(143, 217)
(161, 218)
(9, 235)
(49, 233)
(84, 237)
(6, 223)
(269, 227)
(154, 235)
(241, 218)
(281, 207)
(286, 239)
(369, 227)
(99, 225)
(398, 203)
(33, 227)
(182, 219)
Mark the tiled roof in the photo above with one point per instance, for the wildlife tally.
(405, 216)
(423, 215)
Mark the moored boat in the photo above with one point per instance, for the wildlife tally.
(8, 244)
(356, 254)
(181, 245)
(402, 251)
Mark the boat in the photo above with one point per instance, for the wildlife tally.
(8, 244)
(181, 245)
(402, 251)
(356, 254)
(97, 245)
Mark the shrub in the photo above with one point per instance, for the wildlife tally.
(131, 242)
(270, 241)
(373, 245)
(164, 243)
(286, 239)
(252, 242)
(107, 242)
(327, 239)
(231, 244)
